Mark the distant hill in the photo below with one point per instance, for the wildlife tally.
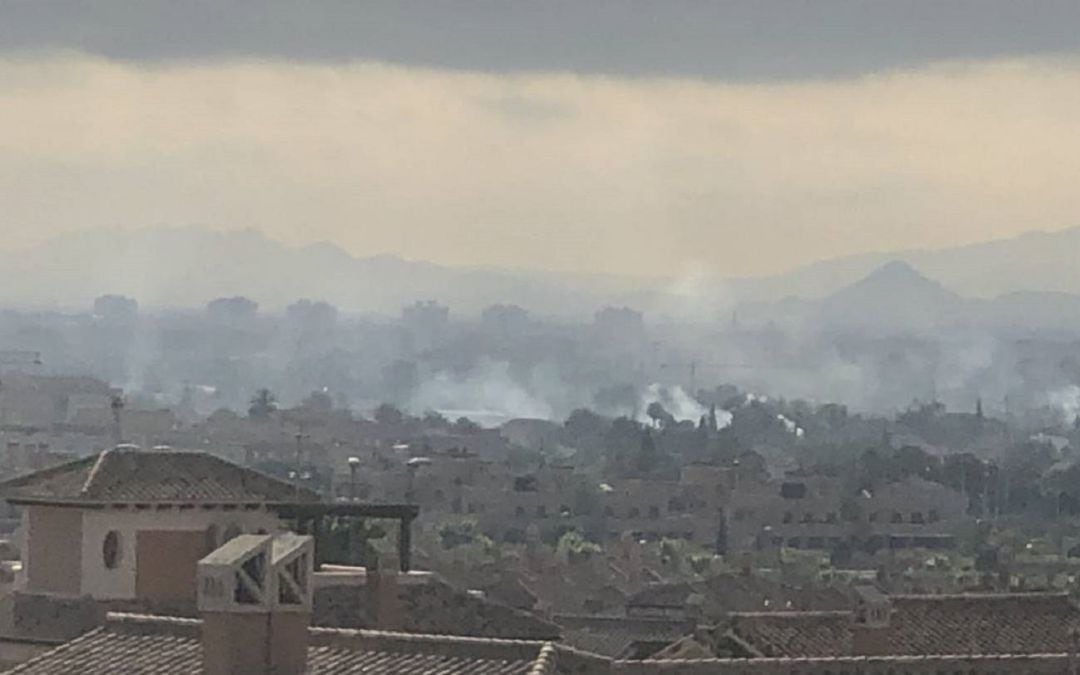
(186, 267)
(1037, 261)
(898, 299)
(1037, 275)
(894, 296)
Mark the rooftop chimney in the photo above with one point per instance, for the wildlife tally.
(255, 598)
(872, 615)
(384, 597)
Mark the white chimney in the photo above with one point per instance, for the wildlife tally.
(255, 599)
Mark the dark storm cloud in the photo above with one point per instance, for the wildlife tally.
(755, 40)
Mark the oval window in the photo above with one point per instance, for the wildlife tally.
(110, 550)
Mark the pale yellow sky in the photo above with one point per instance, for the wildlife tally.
(560, 172)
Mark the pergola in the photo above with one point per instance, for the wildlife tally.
(309, 516)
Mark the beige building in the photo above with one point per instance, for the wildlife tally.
(255, 599)
(130, 525)
(815, 512)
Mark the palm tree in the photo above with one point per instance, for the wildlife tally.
(117, 405)
(263, 404)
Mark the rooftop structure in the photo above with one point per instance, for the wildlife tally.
(128, 475)
(255, 599)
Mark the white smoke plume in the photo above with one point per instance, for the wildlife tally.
(1067, 400)
(487, 394)
(682, 406)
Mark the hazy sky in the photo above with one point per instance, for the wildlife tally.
(625, 137)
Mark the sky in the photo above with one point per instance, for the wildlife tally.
(632, 138)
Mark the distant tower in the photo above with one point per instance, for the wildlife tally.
(978, 408)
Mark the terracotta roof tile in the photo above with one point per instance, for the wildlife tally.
(124, 475)
(139, 645)
(616, 636)
(804, 634)
(983, 624)
(1015, 624)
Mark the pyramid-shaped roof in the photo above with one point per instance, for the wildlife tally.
(129, 475)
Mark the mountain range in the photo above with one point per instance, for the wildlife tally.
(1035, 261)
(1035, 275)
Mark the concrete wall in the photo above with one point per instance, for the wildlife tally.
(47, 617)
(54, 549)
(120, 583)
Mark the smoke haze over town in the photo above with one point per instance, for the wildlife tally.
(590, 337)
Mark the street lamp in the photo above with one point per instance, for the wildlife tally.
(412, 466)
(354, 464)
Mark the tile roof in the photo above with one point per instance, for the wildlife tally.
(740, 593)
(1017, 624)
(145, 645)
(123, 475)
(804, 634)
(983, 624)
(435, 607)
(987, 663)
(617, 636)
(662, 595)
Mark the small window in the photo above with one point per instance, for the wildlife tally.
(110, 550)
(788, 516)
(808, 517)
(917, 517)
(520, 512)
(635, 512)
(654, 512)
(541, 511)
(793, 490)
(525, 484)
(897, 517)
(933, 516)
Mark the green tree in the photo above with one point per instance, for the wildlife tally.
(574, 546)
(263, 404)
(388, 415)
(648, 457)
(466, 426)
(659, 415)
(350, 541)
